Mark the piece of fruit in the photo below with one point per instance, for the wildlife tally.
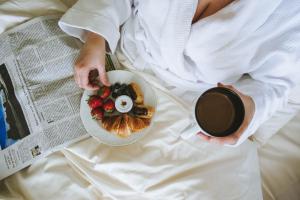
(114, 94)
(122, 90)
(97, 113)
(95, 101)
(109, 105)
(104, 92)
(115, 86)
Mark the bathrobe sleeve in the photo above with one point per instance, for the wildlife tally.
(103, 17)
(276, 73)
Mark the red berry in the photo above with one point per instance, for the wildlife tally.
(97, 113)
(109, 105)
(95, 101)
(104, 92)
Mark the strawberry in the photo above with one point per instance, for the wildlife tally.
(95, 101)
(97, 113)
(109, 105)
(104, 92)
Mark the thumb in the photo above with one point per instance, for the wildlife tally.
(221, 85)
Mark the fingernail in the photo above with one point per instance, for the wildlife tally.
(199, 133)
(220, 84)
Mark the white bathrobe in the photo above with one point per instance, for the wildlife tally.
(257, 38)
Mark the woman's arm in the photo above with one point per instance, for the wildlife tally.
(268, 89)
(95, 22)
(272, 60)
(92, 57)
(103, 17)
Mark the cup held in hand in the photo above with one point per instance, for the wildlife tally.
(219, 112)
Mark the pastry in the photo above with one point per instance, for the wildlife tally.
(117, 124)
(137, 124)
(143, 111)
(108, 122)
(136, 93)
(124, 129)
(146, 121)
(124, 125)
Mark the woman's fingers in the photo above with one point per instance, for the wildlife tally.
(220, 85)
(103, 76)
(82, 76)
(84, 81)
(232, 139)
(203, 136)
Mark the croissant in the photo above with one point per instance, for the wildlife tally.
(117, 124)
(123, 129)
(108, 122)
(137, 124)
(124, 125)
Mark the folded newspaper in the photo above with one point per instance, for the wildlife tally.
(39, 100)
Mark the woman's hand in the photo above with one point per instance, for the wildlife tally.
(249, 112)
(91, 59)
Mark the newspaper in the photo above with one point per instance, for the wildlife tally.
(39, 100)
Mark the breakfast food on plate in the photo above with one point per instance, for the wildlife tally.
(97, 113)
(143, 111)
(136, 92)
(108, 122)
(109, 105)
(124, 129)
(95, 101)
(120, 109)
(124, 124)
(104, 92)
(136, 124)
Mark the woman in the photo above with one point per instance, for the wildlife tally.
(192, 43)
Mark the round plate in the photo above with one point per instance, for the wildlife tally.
(95, 128)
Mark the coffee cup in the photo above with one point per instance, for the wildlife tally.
(218, 112)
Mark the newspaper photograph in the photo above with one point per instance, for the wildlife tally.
(39, 99)
(12, 121)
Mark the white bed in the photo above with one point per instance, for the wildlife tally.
(161, 166)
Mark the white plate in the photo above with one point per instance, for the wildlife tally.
(95, 128)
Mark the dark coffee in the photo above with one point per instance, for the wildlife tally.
(219, 111)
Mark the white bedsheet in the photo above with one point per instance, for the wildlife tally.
(280, 163)
(160, 166)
